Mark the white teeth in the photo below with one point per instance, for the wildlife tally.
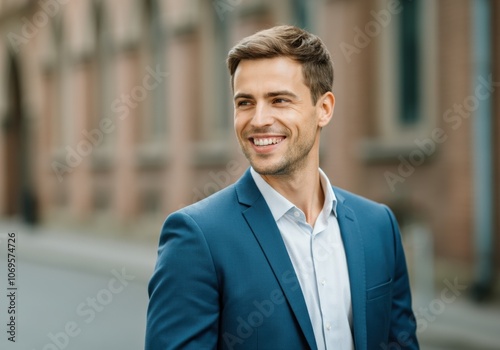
(268, 141)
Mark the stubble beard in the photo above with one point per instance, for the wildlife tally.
(291, 163)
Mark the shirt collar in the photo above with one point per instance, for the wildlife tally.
(279, 205)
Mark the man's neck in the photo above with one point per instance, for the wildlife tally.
(303, 189)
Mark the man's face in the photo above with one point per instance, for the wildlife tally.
(275, 121)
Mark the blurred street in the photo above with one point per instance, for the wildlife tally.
(80, 292)
(75, 293)
(464, 325)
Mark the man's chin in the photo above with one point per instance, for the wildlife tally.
(266, 165)
(269, 170)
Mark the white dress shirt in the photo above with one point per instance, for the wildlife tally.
(318, 257)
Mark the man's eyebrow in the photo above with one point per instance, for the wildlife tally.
(242, 95)
(281, 93)
(267, 95)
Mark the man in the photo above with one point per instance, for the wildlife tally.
(280, 259)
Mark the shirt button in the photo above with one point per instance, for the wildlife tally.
(323, 282)
(296, 214)
(328, 326)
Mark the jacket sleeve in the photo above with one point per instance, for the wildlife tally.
(402, 332)
(183, 309)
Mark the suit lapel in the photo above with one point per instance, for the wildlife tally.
(354, 250)
(263, 226)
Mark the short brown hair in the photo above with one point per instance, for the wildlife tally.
(292, 42)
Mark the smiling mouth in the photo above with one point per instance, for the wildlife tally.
(266, 141)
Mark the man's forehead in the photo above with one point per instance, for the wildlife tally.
(280, 61)
(272, 74)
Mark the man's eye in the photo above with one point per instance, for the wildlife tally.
(280, 100)
(243, 103)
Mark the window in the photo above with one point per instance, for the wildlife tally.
(405, 84)
(57, 65)
(223, 107)
(103, 70)
(300, 13)
(213, 121)
(153, 119)
(409, 58)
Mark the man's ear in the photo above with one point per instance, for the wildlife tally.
(326, 104)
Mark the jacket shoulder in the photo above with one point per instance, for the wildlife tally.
(368, 210)
(355, 199)
(212, 206)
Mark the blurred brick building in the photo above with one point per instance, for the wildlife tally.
(114, 113)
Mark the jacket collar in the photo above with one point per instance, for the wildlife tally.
(354, 250)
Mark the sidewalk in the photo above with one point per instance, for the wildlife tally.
(464, 325)
(81, 251)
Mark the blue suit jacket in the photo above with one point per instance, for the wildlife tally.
(224, 280)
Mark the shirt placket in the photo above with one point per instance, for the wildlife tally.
(322, 262)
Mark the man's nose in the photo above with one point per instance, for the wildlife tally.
(263, 116)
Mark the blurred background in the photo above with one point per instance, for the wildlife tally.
(114, 113)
